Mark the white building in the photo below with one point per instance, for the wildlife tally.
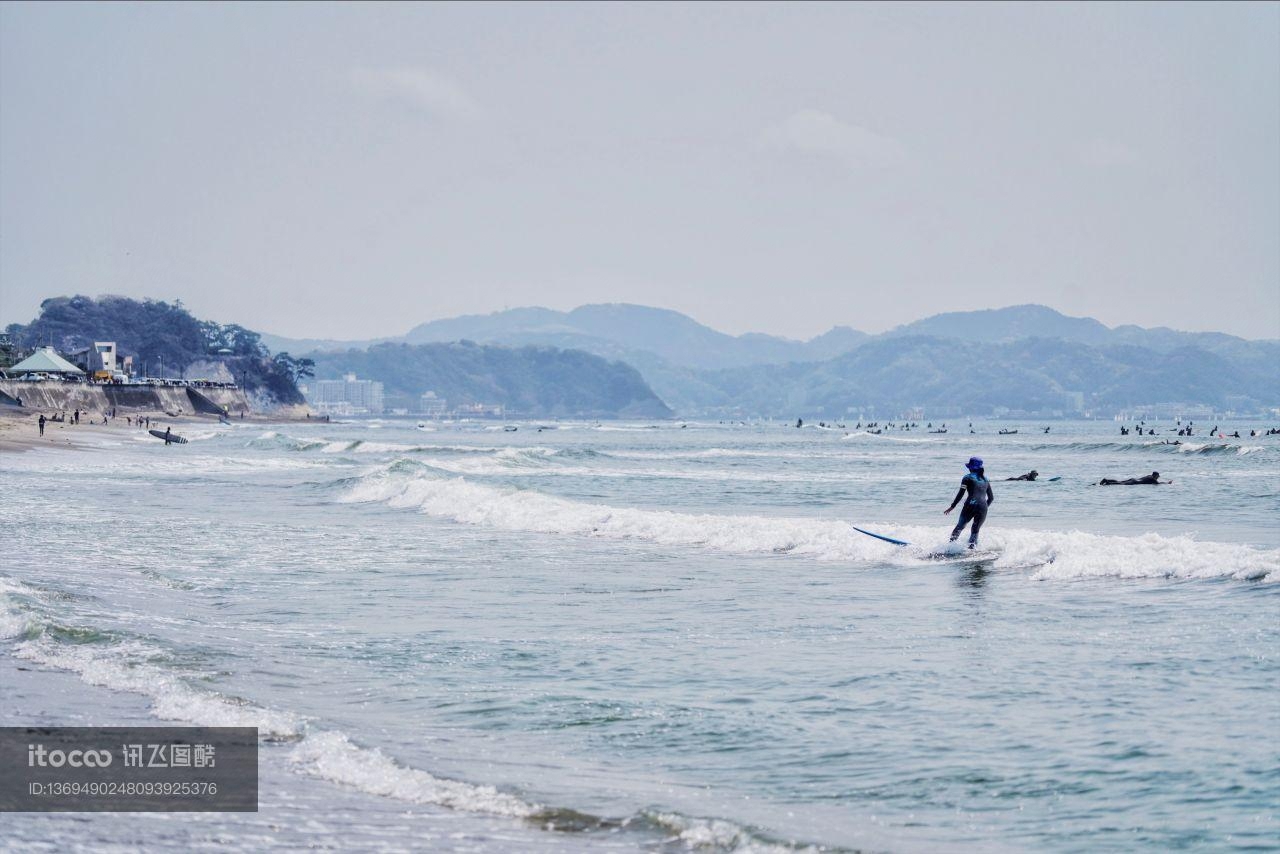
(100, 358)
(347, 396)
(431, 405)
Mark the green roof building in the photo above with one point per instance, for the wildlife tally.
(46, 361)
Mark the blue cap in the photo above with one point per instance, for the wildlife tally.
(974, 463)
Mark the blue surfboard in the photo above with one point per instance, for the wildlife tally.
(880, 537)
(957, 556)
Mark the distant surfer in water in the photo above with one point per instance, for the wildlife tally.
(1152, 478)
(1031, 475)
(978, 488)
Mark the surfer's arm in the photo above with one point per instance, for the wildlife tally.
(991, 496)
(955, 501)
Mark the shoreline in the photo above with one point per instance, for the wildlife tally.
(19, 430)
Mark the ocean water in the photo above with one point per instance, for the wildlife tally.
(657, 637)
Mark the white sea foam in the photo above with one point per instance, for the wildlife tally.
(1170, 446)
(694, 455)
(136, 667)
(527, 510)
(127, 666)
(713, 453)
(718, 835)
(531, 465)
(332, 756)
(14, 622)
(1211, 448)
(1057, 555)
(863, 434)
(202, 435)
(1081, 555)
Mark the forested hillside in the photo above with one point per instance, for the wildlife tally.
(542, 381)
(164, 339)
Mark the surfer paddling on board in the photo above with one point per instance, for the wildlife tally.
(981, 497)
(1031, 475)
(1151, 479)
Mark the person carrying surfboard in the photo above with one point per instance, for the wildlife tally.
(978, 488)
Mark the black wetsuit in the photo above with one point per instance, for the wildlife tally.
(975, 506)
(1149, 479)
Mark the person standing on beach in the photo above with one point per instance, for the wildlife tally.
(980, 497)
(41, 423)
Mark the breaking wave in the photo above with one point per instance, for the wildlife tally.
(1051, 554)
(1168, 446)
(884, 437)
(271, 440)
(332, 756)
(134, 666)
(126, 664)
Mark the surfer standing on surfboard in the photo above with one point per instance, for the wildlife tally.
(981, 497)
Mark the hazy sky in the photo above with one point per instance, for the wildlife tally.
(352, 170)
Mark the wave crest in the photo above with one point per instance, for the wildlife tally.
(1056, 555)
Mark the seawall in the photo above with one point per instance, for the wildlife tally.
(56, 396)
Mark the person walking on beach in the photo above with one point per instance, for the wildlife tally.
(41, 423)
(980, 497)
(167, 432)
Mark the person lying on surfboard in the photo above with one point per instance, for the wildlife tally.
(1152, 478)
(1031, 475)
(981, 497)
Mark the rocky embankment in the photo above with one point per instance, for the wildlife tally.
(183, 400)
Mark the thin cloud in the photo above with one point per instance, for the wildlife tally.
(818, 133)
(419, 88)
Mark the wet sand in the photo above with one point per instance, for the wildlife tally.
(19, 428)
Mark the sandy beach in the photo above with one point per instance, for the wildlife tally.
(19, 428)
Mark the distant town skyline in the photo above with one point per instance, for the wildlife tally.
(350, 171)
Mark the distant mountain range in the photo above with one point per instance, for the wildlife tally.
(894, 374)
(535, 381)
(1027, 357)
(613, 331)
